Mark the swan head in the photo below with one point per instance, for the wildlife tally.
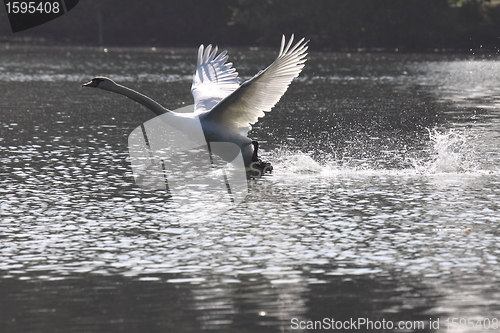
(100, 82)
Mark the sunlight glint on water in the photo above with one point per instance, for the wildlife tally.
(372, 154)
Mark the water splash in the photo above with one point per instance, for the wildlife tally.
(295, 162)
(451, 151)
(446, 151)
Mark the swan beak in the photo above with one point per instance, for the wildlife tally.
(92, 84)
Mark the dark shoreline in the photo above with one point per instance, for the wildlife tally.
(411, 26)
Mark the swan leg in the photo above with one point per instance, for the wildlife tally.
(255, 157)
(258, 167)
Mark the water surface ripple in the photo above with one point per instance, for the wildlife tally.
(383, 203)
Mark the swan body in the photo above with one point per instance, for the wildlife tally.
(224, 108)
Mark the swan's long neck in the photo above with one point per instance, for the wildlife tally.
(139, 98)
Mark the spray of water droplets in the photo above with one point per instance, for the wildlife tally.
(446, 151)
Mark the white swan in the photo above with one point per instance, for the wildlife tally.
(226, 109)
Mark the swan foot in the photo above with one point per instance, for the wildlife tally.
(258, 168)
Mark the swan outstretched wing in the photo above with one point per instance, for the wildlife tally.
(245, 105)
(214, 79)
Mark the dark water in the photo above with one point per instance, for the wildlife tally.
(382, 163)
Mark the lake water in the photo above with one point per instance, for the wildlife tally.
(383, 204)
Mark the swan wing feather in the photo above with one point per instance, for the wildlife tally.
(247, 104)
(214, 78)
